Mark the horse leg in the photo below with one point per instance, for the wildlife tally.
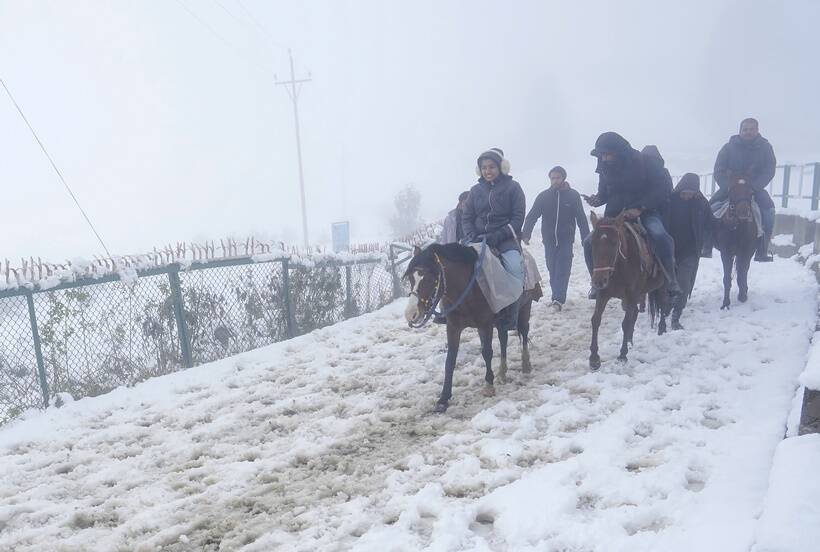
(503, 340)
(524, 332)
(742, 278)
(594, 359)
(727, 259)
(453, 341)
(664, 307)
(486, 336)
(628, 326)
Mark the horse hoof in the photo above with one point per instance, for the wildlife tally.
(488, 391)
(724, 306)
(621, 358)
(742, 297)
(501, 377)
(440, 408)
(526, 367)
(594, 363)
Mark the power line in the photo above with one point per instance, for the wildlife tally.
(221, 38)
(67, 187)
(261, 27)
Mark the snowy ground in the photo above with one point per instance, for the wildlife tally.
(326, 442)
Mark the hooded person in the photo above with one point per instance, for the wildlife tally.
(638, 186)
(690, 225)
(751, 155)
(452, 230)
(494, 210)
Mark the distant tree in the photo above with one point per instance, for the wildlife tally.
(406, 219)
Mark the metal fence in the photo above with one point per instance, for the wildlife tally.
(794, 185)
(90, 336)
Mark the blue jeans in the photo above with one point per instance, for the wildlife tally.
(559, 266)
(514, 264)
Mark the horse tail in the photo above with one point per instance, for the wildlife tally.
(653, 307)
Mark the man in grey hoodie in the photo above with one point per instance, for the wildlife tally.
(560, 210)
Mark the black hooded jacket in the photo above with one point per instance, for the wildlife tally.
(632, 180)
(690, 219)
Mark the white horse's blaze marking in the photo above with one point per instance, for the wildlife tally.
(411, 311)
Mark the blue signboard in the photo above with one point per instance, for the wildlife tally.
(341, 236)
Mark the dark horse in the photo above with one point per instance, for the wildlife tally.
(736, 238)
(623, 268)
(444, 274)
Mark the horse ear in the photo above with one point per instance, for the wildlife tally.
(416, 250)
(593, 218)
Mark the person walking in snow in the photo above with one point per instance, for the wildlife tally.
(560, 210)
(636, 185)
(750, 155)
(690, 225)
(452, 230)
(494, 210)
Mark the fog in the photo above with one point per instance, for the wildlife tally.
(165, 119)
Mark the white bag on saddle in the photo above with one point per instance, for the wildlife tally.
(499, 287)
(532, 276)
(719, 209)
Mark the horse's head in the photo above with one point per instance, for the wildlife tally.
(424, 275)
(607, 245)
(740, 196)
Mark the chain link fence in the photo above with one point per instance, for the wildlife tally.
(90, 336)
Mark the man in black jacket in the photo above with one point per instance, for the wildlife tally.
(636, 185)
(750, 155)
(560, 210)
(690, 223)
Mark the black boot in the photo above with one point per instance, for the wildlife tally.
(671, 275)
(676, 321)
(762, 254)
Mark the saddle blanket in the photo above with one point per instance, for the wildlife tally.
(499, 287)
(719, 209)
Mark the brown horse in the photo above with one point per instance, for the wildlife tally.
(445, 274)
(623, 269)
(736, 238)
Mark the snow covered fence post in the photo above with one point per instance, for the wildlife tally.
(179, 313)
(815, 188)
(784, 200)
(286, 299)
(349, 312)
(38, 350)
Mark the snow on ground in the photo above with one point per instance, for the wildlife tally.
(791, 517)
(327, 441)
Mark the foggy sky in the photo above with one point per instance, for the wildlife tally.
(168, 132)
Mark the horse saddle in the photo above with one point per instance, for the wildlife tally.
(648, 263)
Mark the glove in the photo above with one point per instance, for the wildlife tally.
(496, 237)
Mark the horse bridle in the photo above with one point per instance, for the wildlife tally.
(440, 291)
(619, 251)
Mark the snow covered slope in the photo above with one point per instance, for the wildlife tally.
(326, 442)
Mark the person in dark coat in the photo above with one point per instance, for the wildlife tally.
(751, 155)
(560, 210)
(452, 230)
(638, 186)
(495, 210)
(690, 223)
(652, 151)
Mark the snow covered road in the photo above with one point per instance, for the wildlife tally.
(326, 442)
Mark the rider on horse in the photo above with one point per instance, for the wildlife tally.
(637, 185)
(750, 154)
(495, 210)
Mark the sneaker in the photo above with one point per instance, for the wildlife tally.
(555, 306)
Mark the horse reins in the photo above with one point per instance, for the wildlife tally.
(619, 251)
(440, 291)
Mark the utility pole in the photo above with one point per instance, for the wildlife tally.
(293, 92)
